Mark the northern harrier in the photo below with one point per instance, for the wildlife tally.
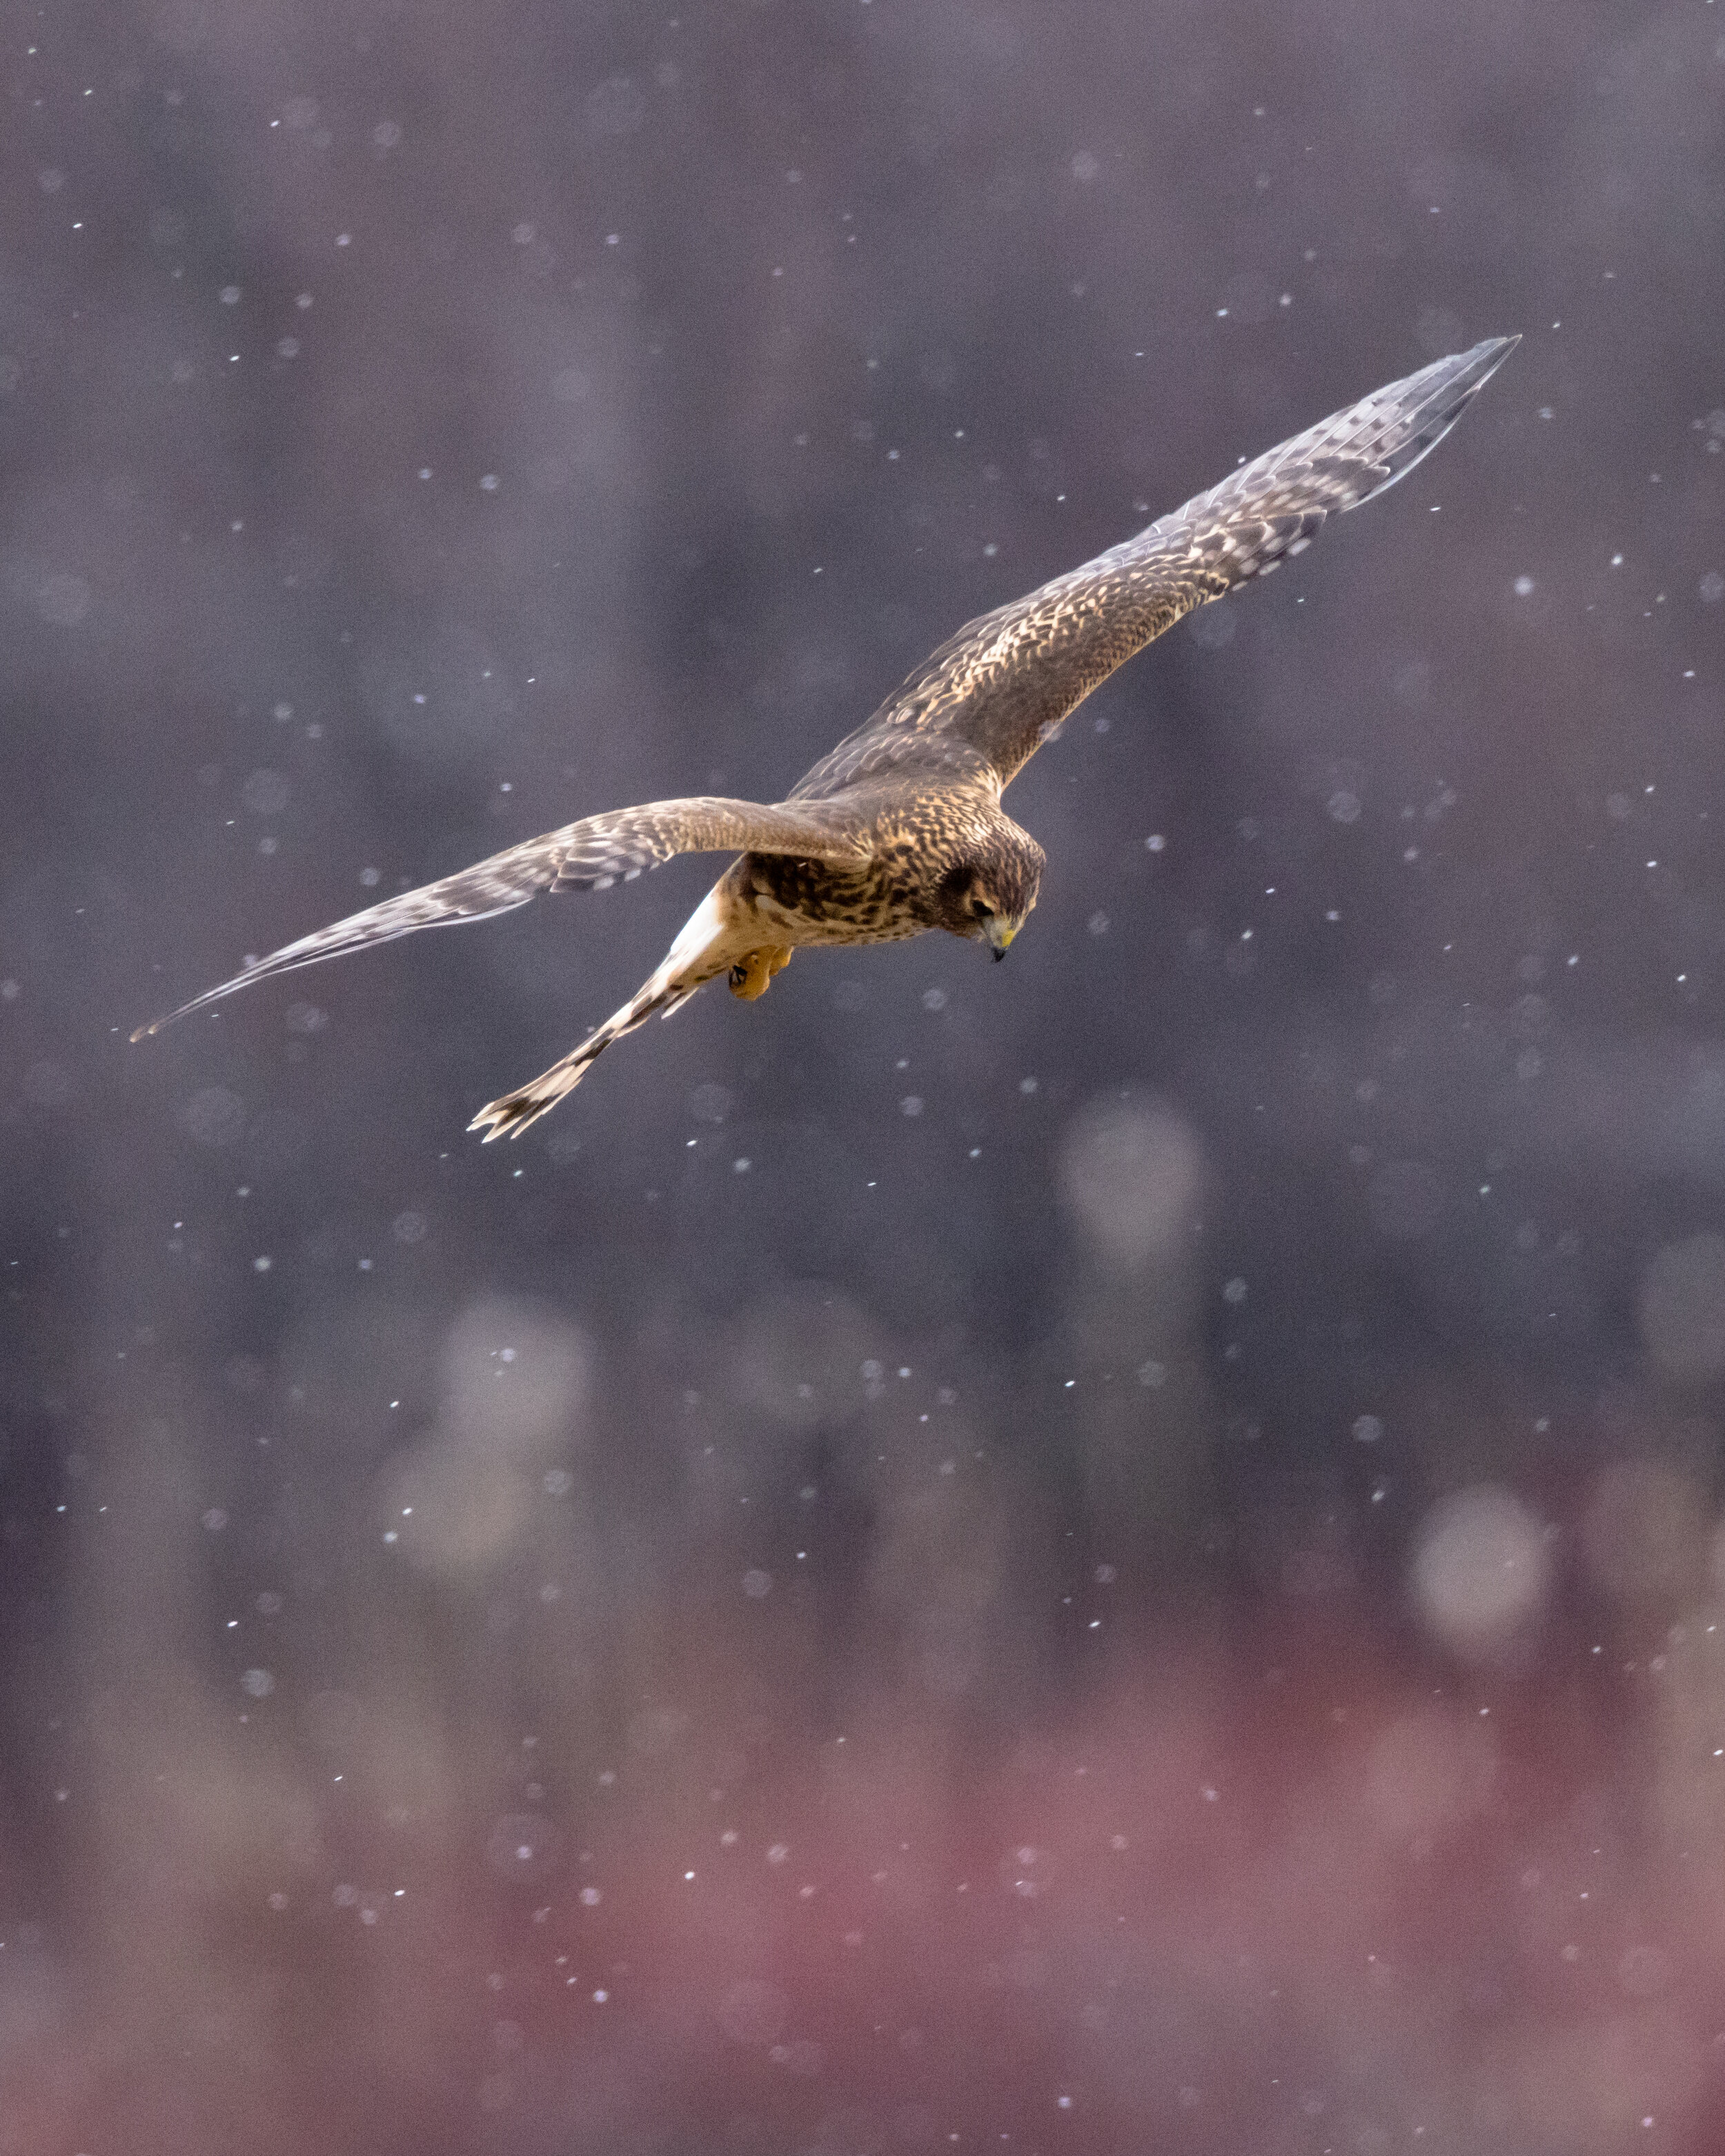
(900, 828)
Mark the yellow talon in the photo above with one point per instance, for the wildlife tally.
(752, 975)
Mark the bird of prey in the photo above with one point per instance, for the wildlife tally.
(900, 828)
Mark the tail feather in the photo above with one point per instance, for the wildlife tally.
(509, 1116)
(705, 946)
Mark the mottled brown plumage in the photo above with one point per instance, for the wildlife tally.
(900, 828)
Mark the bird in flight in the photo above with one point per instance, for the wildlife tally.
(900, 828)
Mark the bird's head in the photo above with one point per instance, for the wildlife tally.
(988, 893)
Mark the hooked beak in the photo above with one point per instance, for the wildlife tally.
(999, 934)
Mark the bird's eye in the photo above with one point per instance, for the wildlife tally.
(981, 908)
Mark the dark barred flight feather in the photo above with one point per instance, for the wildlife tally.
(1005, 681)
(590, 855)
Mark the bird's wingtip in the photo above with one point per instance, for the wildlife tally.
(1489, 354)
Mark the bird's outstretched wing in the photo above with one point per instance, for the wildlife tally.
(590, 855)
(1002, 686)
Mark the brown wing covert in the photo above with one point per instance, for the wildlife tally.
(590, 855)
(1002, 685)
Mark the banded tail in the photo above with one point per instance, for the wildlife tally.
(708, 944)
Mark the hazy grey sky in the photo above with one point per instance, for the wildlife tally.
(1117, 1550)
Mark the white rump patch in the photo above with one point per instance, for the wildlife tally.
(702, 931)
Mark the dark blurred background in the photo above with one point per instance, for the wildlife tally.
(1115, 1554)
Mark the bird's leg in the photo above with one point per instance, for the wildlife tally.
(751, 976)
